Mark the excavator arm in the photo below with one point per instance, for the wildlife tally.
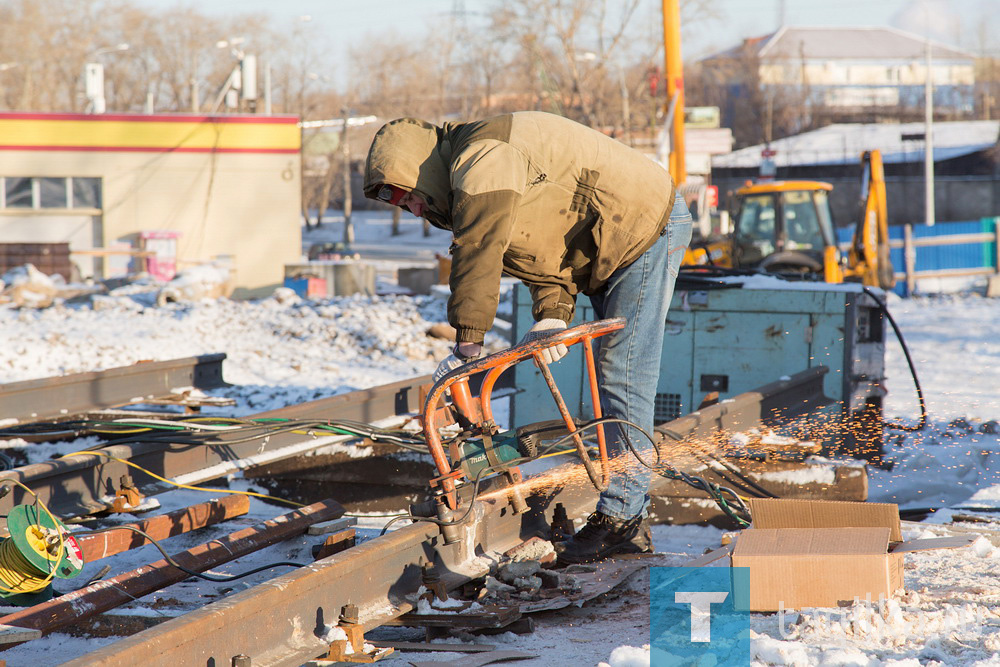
(868, 256)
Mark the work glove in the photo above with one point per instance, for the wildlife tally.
(547, 327)
(453, 361)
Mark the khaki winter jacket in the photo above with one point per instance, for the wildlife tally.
(540, 197)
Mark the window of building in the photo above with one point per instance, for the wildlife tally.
(86, 192)
(49, 192)
(18, 193)
(52, 193)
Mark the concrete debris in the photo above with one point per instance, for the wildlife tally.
(494, 585)
(511, 572)
(529, 585)
(534, 549)
(528, 580)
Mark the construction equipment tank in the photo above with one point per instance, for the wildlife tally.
(732, 335)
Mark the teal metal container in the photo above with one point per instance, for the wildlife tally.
(732, 341)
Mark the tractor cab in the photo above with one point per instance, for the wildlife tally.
(783, 226)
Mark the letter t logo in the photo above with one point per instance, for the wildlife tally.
(701, 620)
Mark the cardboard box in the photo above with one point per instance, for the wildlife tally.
(816, 553)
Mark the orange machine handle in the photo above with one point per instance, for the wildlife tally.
(456, 382)
(461, 396)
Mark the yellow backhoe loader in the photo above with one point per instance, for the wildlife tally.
(787, 227)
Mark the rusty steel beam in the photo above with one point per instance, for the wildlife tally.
(103, 595)
(82, 484)
(279, 624)
(102, 545)
(51, 398)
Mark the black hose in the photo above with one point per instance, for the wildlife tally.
(909, 361)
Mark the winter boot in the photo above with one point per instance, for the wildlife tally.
(604, 536)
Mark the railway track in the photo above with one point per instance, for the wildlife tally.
(281, 622)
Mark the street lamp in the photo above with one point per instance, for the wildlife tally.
(233, 43)
(93, 78)
(123, 46)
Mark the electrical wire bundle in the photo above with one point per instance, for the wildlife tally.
(209, 430)
(214, 431)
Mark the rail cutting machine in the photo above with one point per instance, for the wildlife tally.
(482, 449)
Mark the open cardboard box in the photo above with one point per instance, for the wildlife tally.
(816, 553)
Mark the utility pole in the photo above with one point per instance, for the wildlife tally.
(674, 72)
(267, 88)
(928, 139)
(626, 112)
(345, 147)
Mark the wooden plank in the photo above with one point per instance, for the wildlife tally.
(105, 252)
(101, 545)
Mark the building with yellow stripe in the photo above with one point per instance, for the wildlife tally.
(225, 186)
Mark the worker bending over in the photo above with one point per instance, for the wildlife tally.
(567, 210)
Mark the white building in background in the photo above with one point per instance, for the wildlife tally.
(851, 74)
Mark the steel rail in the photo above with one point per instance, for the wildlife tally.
(280, 623)
(55, 397)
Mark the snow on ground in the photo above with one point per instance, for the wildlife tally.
(284, 350)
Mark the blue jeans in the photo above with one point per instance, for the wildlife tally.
(628, 361)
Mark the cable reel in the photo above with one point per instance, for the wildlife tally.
(39, 549)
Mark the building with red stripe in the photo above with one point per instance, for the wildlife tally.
(225, 186)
